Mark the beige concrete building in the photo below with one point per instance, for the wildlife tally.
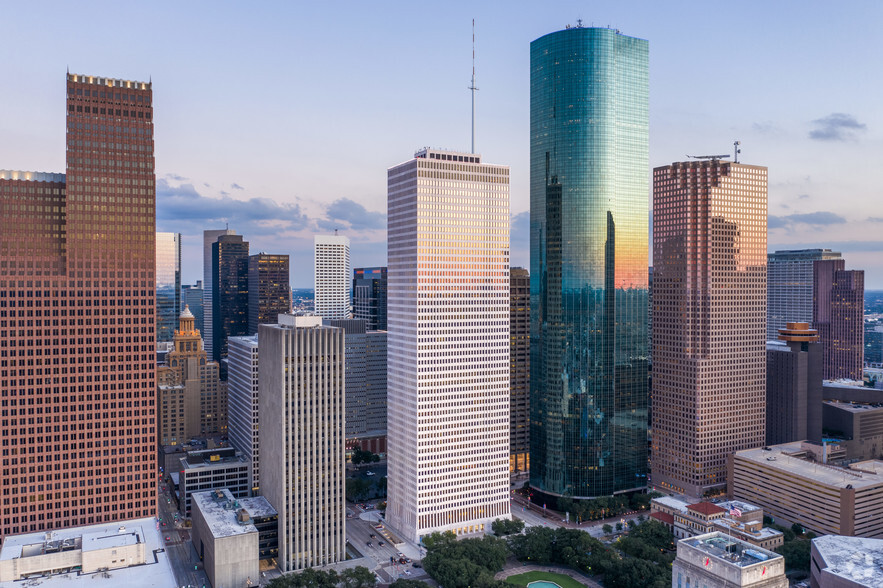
(227, 535)
(734, 517)
(709, 320)
(846, 562)
(192, 397)
(717, 560)
(794, 484)
(302, 457)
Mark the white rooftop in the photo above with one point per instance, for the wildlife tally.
(778, 457)
(156, 573)
(729, 550)
(672, 502)
(220, 515)
(855, 558)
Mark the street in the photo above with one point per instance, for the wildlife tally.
(179, 547)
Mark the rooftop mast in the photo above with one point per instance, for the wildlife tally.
(472, 86)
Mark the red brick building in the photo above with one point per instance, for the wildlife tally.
(77, 334)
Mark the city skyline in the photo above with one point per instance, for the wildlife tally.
(801, 109)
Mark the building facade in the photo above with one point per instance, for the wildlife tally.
(519, 369)
(588, 262)
(209, 237)
(794, 386)
(229, 292)
(448, 325)
(211, 469)
(192, 296)
(243, 424)
(734, 517)
(192, 397)
(717, 560)
(332, 286)
(302, 455)
(269, 293)
(77, 319)
(790, 287)
(709, 320)
(168, 284)
(369, 296)
(838, 315)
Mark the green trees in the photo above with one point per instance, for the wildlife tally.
(357, 489)
(654, 534)
(404, 583)
(607, 529)
(358, 577)
(796, 554)
(464, 563)
(360, 456)
(502, 527)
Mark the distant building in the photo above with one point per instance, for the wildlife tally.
(211, 469)
(858, 427)
(269, 293)
(123, 553)
(301, 414)
(838, 315)
(846, 562)
(229, 294)
(717, 560)
(519, 369)
(369, 296)
(790, 287)
(168, 284)
(709, 320)
(232, 535)
(737, 518)
(798, 483)
(365, 379)
(192, 397)
(192, 296)
(794, 386)
(243, 425)
(333, 274)
(208, 240)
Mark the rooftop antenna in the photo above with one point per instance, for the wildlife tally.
(472, 87)
(736, 150)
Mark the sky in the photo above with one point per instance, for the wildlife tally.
(281, 118)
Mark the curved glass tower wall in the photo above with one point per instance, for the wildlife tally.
(588, 268)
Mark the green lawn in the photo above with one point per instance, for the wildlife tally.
(560, 579)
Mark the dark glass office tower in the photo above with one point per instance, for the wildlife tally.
(588, 274)
(269, 293)
(230, 293)
(369, 296)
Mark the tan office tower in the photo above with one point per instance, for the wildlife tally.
(709, 320)
(448, 344)
(77, 331)
(302, 455)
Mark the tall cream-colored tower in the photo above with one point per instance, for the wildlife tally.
(448, 344)
(302, 460)
(709, 320)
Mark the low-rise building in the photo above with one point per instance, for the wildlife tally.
(716, 560)
(846, 562)
(796, 483)
(734, 517)
(858, 426)
(212, 469)
(127, 553)
(231, 535)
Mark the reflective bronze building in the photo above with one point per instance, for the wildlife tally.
(269, 293)
(77, 320)
(709, 320)
(838, 314)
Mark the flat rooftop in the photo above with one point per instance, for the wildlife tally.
(855, 406)
(855, 558)
(32, 176)
(221, 456)
(786, 458)
(729, 550)
(219, 509)
(156, 573)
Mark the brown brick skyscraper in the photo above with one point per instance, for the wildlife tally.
(838, 315)
(77, 356)
(709, 319)
(519, 369)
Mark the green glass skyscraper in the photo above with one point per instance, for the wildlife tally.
(589, 201)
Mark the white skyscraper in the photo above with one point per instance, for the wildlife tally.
(333, 276)
(209, 237)
(301, 416)
(448, 344)
(242, 401)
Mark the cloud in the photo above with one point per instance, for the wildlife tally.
(875, 219)
(344, 213)
(765, 128)
(821, 218)
(176, 177)
(236, 187)
(837, 126)
(519, 239)
(802, 196)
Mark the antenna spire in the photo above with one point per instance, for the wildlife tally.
(472, 87)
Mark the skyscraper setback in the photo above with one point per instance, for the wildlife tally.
(448, 344)
(77, 331)
(588, 262)
(709, 319)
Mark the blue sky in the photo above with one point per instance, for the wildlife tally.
(281, 118)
